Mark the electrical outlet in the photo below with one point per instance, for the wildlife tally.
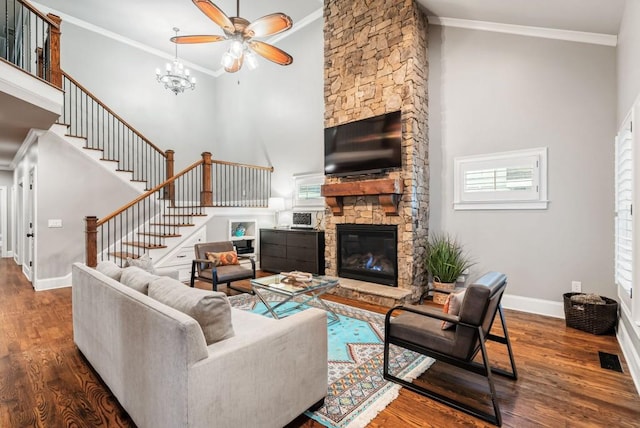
(576, 286)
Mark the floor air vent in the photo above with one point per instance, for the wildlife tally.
(610, 361)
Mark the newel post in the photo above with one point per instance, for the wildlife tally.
(170, 188)
(54, 32)
(206, 196)
(91, 241)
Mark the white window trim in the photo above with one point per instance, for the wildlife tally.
(513, 202)
(307, 179)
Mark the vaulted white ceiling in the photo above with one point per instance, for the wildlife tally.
(150, 23)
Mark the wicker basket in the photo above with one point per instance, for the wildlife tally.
(441, 298)
(589, 317)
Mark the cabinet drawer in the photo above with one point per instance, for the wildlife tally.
(273, 250)
(301, 254)
(303, 240)
(273, 264)
(272, 237)
(183, 256)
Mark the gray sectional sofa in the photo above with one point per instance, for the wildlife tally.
(156, 362)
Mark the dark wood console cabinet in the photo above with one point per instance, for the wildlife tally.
(284, 250)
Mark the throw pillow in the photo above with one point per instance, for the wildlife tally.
(143, 262)
(137, 278)
(110, 269)
(223, 259)
(452, 307)
(210, 308)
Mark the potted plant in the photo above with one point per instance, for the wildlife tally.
(445, 262)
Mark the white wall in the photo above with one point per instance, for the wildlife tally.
(69, 186)
(123, 77)
(628, 59)
(492, 92)
(6, 179)
(275, 115)
(628, 91)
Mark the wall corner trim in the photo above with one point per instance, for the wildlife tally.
(630, 353)
(534, 306)
(524, 30)
(52, 283)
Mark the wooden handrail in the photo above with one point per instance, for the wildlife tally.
(147, 194)
(266, 168)
(124, 122)
(40, 14)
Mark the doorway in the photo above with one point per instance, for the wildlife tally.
(4, 213)
(28, 249)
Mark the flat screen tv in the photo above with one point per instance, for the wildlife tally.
(365, 146)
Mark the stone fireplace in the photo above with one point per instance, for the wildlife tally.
(368, 253)
(375, 63)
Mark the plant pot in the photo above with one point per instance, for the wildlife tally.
(438, 297)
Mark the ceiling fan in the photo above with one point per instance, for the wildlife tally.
(241, 33)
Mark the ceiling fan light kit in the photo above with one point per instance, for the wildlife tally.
(241, 33)
(176, 78)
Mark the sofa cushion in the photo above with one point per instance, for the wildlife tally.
(109, 268)
(143, 262)
(452, 307)
(224, 258)
(210, 308)
(137, 278)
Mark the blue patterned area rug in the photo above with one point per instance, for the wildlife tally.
(357, 390)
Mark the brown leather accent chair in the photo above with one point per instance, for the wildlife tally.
(206, 271)
(419, 328)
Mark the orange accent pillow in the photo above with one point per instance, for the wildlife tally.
(452, 307)
(225, 258)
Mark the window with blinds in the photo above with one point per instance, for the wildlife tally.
(508, 180)
(624, 209)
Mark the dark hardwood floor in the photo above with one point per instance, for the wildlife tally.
(45, 382)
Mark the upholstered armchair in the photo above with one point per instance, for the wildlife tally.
(422, 329)
(204, 269)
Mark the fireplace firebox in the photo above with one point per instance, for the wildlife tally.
(368, 253)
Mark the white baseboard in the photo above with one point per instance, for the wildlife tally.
(630, 354)
(52, 283)
(9, 255)
(534, 306)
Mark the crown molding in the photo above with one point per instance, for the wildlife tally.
(523, 30)
(317, 14)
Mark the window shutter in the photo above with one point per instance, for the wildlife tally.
(624, 213)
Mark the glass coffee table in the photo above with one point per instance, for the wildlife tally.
(309, 291)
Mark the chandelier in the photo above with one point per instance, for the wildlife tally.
(176, 78)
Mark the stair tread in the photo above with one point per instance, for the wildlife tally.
(185, 215)
(138, 181)
(108, 160)
(144, 245)
(160, 235)
(124, 170)
(123, 255)
(173, 224)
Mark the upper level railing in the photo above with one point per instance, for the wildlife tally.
(162, 212)
(30, 40)
(90, 118)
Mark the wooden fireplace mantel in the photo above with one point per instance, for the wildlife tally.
(388, 190)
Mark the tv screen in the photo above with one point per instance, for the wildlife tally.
(365, 146)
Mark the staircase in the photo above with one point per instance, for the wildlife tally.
(170, 207)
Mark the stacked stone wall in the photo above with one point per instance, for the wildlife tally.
(376, 63)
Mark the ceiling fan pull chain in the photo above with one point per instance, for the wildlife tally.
(238, 7)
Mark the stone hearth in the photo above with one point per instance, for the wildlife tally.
(375, 63)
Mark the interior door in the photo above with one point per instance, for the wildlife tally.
(4, 212)
(28, 265)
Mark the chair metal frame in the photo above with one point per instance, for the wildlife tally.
(197, 265)
(485, 369)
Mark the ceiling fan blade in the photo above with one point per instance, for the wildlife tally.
(271, 52)
(183, 40)
(237, 65)
(268, 25)
(215, 14)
